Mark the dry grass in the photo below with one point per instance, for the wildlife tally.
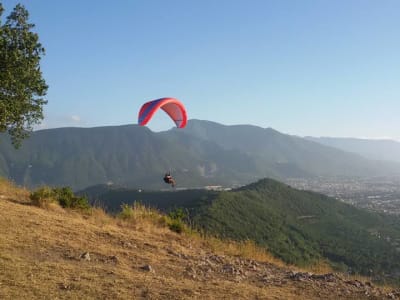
(9, 191)
(246, 249)
(41, 249)
(138, 214)
(320, 267)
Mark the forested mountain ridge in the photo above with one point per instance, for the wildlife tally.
(204, 153)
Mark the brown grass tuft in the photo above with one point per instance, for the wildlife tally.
(320, 267)
(245, 249)
(141, 218)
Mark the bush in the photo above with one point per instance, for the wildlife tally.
(176, 222)
(176, 225)
(126, 212)
(177, 214)
(43, 196)
(64, 196)
(67, 199)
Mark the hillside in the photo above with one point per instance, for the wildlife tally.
(300, 227)
(56, 253)
(204, 153)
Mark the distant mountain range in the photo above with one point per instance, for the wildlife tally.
(372, 149)
(204, 153)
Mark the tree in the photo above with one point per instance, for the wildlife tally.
(22, 86)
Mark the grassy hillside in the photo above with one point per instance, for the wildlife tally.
(64, 254)
(299, 227)
(302, 226)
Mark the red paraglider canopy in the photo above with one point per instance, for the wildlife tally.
(173, 107)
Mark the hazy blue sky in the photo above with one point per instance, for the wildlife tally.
(321, 68)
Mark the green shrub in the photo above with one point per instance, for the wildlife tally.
(126, 212)
(43, 196)
(177, 214)
(176, 219)
(64, 196)
(67, 199)
(177, 225)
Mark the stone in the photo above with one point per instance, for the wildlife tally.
(85, 256)
(147, 268)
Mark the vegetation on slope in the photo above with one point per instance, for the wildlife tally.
(299, 227)
(50, 252)
(74, 253)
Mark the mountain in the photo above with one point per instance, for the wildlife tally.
(299, 227)
(285, 155)
(204, 153)
(371, 149)
(126, 155)
(54, 253)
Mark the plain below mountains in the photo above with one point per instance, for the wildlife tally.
(204, 153)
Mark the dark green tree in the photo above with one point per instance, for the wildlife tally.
(22, 86)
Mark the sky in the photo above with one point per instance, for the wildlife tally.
(306, 68)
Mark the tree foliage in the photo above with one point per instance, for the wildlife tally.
(22, 86)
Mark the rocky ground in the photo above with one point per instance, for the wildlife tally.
(57, 254)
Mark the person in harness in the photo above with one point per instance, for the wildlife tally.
(168, 179)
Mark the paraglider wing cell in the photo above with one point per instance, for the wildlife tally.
(173, 107)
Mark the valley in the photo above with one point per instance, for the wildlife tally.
(378, 194)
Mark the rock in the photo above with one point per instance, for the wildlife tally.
(113, 258)
(64, 286)
(147, 268)
(190, 272)
(394, 294)
(391, 296)
(299, 276)
(325, 277)
(355, 282)
(85, 256)
(228, 268)
(128, 245)
(369, 284)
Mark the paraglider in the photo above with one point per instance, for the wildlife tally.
(173, 107)
(168, 179)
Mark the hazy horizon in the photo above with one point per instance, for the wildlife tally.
(38, 128)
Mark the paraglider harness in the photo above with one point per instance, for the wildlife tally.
(168, 179)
